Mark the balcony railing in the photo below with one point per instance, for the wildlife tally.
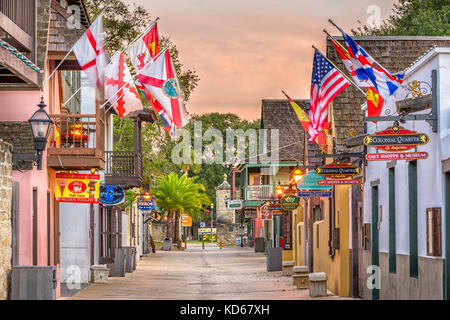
(75, 136)
(123, 168)
(259, 192)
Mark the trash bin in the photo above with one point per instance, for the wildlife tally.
(167, 244)
(274, 259)
(259, 244)
(238, 241)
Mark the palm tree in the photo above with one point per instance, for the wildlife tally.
(177, 195)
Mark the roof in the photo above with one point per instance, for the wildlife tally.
(426, 58)
(279, 114)
(395, 54)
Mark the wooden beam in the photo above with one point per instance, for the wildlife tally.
(16, 66)
(414, 105)
(75, 162)
(16, 32)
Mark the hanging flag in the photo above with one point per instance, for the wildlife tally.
(143, 50)
(160, 79)
(119, 89)
(91, 53)
(326, 84)
(375, 102)
(345, 57)
(386, 83)
(141, 53)
(321, 139)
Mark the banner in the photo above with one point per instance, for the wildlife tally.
(77, 188)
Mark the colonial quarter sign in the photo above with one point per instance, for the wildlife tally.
(338, 170)
(396, 138)
(290, 202)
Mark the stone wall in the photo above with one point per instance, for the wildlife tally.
(227, 233)
(158, 231)
(5, 218)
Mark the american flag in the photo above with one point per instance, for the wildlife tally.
(327, 82)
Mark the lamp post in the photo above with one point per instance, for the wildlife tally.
(40, 124)
(212, 213)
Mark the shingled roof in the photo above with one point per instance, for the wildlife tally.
(395, 54)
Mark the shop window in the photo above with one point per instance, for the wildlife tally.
(434, 236)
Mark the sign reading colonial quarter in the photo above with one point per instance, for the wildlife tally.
(338, 170)
(290, 202)
(396, 156)
(396, 138)
(111, 194)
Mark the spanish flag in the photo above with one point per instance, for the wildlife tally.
(375, 102)
(321, 139)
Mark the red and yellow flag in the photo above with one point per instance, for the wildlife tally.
(321, 139)
(374, 102)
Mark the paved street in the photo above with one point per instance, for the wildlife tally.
(196, 274)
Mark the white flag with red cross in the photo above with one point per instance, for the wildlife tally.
(91, 53)
(161, 80)
(119, 88)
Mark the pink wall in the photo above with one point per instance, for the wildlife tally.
(20, 106)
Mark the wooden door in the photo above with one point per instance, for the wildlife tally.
(106, 234)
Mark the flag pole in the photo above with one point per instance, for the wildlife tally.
(64, 104)
(132, 79)
(345, 76)
(57, 67)
(141, 34)
(374, 60)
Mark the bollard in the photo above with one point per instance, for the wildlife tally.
(185, 244)
(220, 244)
(203, 243)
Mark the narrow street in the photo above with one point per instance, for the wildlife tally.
(197, 274)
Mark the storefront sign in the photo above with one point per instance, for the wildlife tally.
(315, 194)
(396, 156)
(290, 202)
(396, 138)
(266, 215)
(250, 214)
(309, 182)
(186, 220)
(146, 205)
(234, 204)
(338, 170)
(206, 230)
(111, 194)
(78, 188)
(338, 182)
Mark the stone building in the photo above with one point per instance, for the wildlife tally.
(227, 228)
(5, 218)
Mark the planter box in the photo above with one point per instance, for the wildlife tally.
(318, 284)
(288, 267)
(99, 273)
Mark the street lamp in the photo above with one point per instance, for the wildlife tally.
(279, 190)
(297, 175)
(40, 124)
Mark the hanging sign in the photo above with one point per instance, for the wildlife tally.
(309, 182)
(338, 182)
(186, 220)
(234, 204)
(144, 205)
(111, 194)
(338, 170)
(315, 194)
(250, 214)
(396, 138)
(396, 156)
(267, 209)
(290, 202)
(78, 188)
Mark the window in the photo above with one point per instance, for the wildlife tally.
(434, 240)
(392, 243)
(317, 213)
(413, 240)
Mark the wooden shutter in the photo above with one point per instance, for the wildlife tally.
(434, 234)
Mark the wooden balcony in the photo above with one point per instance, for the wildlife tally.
(259, 192)
(123, 168)
(77, 142)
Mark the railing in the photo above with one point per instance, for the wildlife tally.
(77, 134)
(259, 192)
(123, 164)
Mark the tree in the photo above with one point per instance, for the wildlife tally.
(176, 195)
(413, 18)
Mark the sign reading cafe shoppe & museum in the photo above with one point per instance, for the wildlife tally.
(111, 194)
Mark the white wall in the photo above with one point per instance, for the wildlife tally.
(429, 177)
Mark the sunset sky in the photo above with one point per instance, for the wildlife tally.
(248, 50)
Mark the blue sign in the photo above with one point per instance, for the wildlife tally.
(146, 205)
(111, 194)
(202, 224)
(315, 194)
(309, 182)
